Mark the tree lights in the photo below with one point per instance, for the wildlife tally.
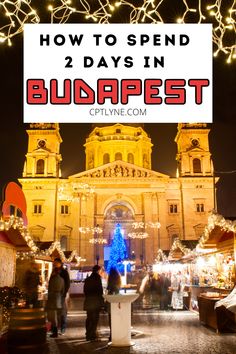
(17, 13)
(118, 250)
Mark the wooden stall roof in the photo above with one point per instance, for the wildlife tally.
(162, 255)
(16, 239)
(71, 255)
(190, 244)
(218, 233)
(53, 250)
(178, 250)
(43, 246)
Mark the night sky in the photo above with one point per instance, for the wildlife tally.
(13, 138)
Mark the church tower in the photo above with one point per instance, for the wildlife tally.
(43, 156)
(41, 180)
(193, 155)
(118, 142)
(195, 178)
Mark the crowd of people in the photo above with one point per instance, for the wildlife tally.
(163, 291)
(58, 287)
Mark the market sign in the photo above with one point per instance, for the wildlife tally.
(118, 73)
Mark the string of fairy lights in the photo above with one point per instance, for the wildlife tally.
(18, 223)
(216, 220)
(140, 229)
(15, 13)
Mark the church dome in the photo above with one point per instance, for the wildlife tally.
(111, 142)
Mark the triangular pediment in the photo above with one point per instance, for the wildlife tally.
(119, 169)
(196, 149)
(41, 150)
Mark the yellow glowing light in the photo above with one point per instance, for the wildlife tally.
(18, 13)
(212, 261)
(102, 11)
(200, 262)
(177, 244)
(216, 220)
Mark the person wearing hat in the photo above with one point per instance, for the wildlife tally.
(93, 302)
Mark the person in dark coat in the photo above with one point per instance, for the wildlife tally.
(56, 288)
(165, 284)
(31, 283)
(65, 276)
(93, 302)
(113, 288)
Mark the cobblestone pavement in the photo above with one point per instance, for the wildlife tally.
(157, 332)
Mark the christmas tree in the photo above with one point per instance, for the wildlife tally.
(118, 251)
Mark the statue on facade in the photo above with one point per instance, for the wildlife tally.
(44, 125)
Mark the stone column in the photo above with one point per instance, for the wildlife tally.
(148, 242)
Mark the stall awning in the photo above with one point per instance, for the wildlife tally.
(16, 239)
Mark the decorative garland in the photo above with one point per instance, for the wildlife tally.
(178, 244)
(16, 222)
(161, 257)
(216, 220)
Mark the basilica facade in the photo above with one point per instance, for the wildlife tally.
(118, 185)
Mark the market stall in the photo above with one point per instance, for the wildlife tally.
(215, 261)
(214, 268)
(77, 275)
(182, 255)
(48, 251)
(14, 238)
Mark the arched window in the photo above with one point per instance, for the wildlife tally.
(118, 156)
(197, 166)
(130, 158)
(40, 167)
(63, 242)
(106, 158)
